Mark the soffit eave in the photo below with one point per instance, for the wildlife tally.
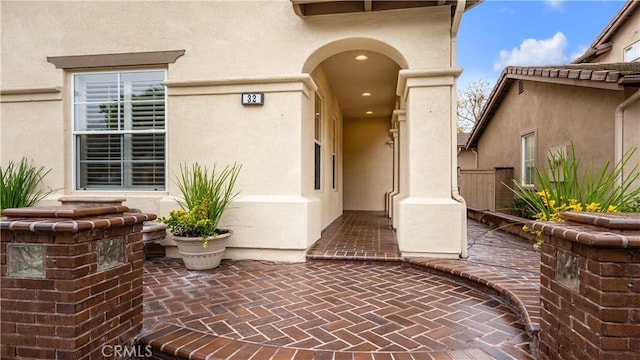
(306, 8)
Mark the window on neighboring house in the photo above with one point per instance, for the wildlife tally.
(528, 159)
(317, 180)
(119, 130)
(632, 52)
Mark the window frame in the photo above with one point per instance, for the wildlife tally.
(334, 156)
(632, 49)
(76, 134)
(524, 173)
(318, 114)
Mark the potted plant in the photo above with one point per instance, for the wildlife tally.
(194, 227)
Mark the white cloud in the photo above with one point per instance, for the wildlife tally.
(532, 52)
(555, 4)
(506, 10)
(578, 52)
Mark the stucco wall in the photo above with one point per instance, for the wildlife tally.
(222, 38)
(558, 114)
(230, 47)
(631, 132)
(367, 163)
(466, 159)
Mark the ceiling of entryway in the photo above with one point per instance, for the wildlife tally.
(350, 79)
(378, 75)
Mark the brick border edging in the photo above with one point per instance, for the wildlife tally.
(512, 297)
(505, 222)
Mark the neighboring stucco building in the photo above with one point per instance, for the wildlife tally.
(534, 110)
(114, 96)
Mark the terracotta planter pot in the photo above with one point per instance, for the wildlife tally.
(198, 257)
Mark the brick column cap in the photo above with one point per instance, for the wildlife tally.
(70, 219)
(614, 221)
(600, 230)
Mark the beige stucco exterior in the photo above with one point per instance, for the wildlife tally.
(233, 47)
(467, 159)
(368, 164)
(558, 115)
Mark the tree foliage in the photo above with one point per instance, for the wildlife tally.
(471, 101)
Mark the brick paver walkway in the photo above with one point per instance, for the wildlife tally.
(344, 309)
(357, 235)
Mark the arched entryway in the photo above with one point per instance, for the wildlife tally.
(393, 151)
(365, 86)
(357, 81)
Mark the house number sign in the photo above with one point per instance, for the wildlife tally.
(252, 98)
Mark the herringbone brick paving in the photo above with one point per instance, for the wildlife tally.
(357, 235)
(336, 309)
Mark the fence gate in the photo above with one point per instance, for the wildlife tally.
(484, 189)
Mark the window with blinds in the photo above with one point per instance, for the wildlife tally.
(528, 159)
(119, 130)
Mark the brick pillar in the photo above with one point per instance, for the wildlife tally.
(71, 281)
(590, 287)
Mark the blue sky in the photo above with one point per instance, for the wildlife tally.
(498, 33)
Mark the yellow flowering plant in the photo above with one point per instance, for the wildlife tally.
(565, 188)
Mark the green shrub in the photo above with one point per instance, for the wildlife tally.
(632, 207)
(518, 207)
(21, 184)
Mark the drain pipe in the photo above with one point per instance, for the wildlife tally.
(455, 195)
(619, 130)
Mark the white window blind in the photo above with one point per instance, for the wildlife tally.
(632, 53)
(119, 130)
(528, 159)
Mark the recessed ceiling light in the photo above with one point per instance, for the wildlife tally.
(369, 112)
(366, 94)
(361, 57)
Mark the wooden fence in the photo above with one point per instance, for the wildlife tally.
(484, 189)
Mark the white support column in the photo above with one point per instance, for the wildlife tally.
(401, 166)
(393, 133)
(429, 219)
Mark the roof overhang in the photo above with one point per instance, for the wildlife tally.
(305, 8)
(603, 42)
(614, 76)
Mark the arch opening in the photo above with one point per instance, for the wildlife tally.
(361, 94)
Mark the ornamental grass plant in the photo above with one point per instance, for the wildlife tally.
(564, 188)
(206, 194)
(21, 184)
